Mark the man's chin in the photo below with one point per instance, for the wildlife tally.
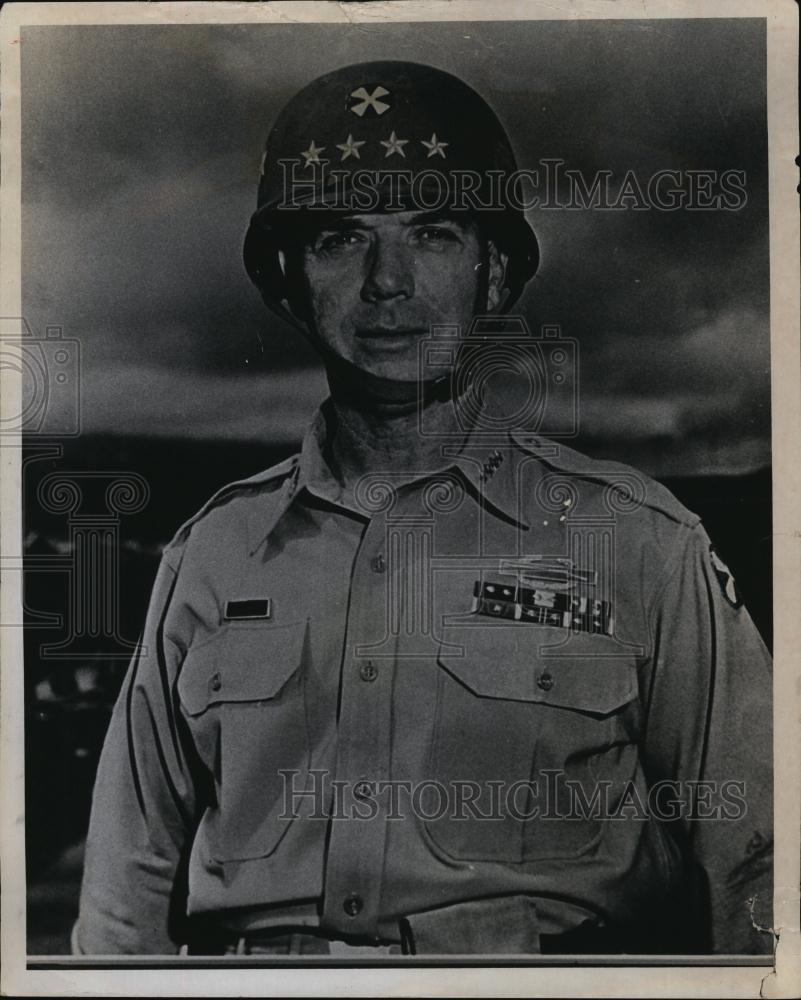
(388, 366)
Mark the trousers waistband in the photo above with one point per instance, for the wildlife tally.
(285, 941)
(581, 941)
(496, 925)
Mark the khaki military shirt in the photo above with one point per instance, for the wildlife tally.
(516, 693)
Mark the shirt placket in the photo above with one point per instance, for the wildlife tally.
(355, 862)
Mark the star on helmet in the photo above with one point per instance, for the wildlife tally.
(312, 154)
(435, 146)
(350, 147)
(393, 145)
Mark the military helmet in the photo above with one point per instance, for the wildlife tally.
(386, 135)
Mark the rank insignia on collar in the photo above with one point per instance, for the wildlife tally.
(491, 466)
(534, 606)
(253, 609)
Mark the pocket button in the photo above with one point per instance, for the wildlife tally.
(216, 682)
(368, 671)
(545, 681)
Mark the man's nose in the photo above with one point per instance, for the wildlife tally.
(389, 273)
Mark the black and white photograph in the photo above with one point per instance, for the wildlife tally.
(399, 447)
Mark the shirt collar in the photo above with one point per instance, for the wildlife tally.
(314, 472)
(490, 467)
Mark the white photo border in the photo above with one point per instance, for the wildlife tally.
(610, 976)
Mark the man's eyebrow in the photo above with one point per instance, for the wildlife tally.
(437, 217)
(419, 219)
(344, 222)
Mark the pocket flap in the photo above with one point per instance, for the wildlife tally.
(240, 663)
(507, 661)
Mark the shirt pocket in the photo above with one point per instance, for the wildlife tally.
(242, 693)
(529, 738)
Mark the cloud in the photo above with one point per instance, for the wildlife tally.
(140, 162)
(152, 401)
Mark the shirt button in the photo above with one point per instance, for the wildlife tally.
(216, 682)
(353, 905)
(362, 790)
(378, 565)
(545, 681)
(368, 671)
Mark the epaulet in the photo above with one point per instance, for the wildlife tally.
(275, 474)
(645, 491)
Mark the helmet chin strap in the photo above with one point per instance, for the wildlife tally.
(362, 390)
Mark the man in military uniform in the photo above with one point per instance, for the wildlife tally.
(436, 684)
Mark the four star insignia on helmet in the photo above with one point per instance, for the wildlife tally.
(312, 154)
(350, 147)
(394, 145)
(435, 146)
(372, 101)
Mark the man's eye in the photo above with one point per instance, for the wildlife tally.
(335, 241)
(435, 235)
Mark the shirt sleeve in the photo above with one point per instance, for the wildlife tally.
(142, 818)
(708, 733)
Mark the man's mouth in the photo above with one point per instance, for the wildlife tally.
(389, 337)
(389, 331)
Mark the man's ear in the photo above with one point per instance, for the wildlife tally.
(496, 265)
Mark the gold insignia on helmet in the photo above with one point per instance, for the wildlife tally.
(312, 154)
(350, 147)
(372, 101)
(435, 146)
(393, 145)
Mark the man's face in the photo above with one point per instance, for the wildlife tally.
(374, 285)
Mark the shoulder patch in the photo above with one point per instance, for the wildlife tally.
(275, 474)
(635, 487)
(725, 579)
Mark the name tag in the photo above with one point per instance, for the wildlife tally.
(245, 610)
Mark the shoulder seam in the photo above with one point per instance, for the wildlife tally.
(672, 566)
(675, 510)
(274, 473)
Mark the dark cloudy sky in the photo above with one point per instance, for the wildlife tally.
(141, 150)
